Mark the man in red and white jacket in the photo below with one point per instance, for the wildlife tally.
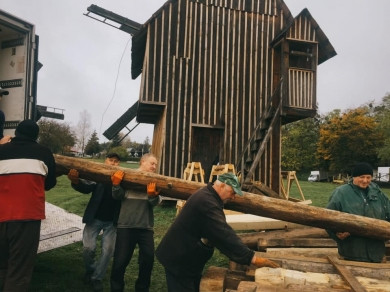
(27, 170)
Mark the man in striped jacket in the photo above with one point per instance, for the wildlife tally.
(27, 169)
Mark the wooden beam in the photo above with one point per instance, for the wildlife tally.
(322, 265)
(347, 275)
(296, 242)
(251, 239)
(249, 203)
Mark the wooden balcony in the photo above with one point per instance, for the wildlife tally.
(299, 102)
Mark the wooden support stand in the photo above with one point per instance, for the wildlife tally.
(193, 172)
(221, 169)
(291, 177)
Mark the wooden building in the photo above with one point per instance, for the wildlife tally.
(220, 77)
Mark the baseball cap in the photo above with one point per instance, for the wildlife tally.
(113, 154)
(231, 180)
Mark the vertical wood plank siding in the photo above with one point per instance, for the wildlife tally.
(301, 93)
(210, 62)
(301, 90)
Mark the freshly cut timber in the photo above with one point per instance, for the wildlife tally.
(249, 203)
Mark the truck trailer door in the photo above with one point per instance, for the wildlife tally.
(18, 70)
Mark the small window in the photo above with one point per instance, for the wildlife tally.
(301, 55)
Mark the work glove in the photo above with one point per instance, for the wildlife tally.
(151, 190)
(263, 262)
(73, 176)
(117, 177)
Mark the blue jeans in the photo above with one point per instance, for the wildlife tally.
(98, 267)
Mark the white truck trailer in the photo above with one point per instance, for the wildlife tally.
(383, 174)
(19, 67)
(18, 70)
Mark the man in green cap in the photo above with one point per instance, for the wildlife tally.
(200, 226)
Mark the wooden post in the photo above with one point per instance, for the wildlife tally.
(249, 203)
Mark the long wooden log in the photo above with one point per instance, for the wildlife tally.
(249, 203)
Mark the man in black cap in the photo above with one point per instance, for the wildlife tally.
(200, 226)
(101, 212)
(27, 170)
(360, 197)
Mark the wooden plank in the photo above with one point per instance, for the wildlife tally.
(213, 279)
(296, 242)
(322, 265)
(347, 275)
(253, 222)
(249, 203)
(251, 239)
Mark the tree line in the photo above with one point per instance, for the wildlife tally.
(63, 139)
(337, 140)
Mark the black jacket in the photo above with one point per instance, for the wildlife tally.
(101, 202)
(183, 253)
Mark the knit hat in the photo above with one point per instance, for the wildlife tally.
(362, 168)
(231, 180)
(27, 129)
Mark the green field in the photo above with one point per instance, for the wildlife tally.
(62, 269)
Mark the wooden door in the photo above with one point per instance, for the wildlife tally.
(206, 147)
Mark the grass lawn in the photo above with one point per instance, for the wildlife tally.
(62, 269)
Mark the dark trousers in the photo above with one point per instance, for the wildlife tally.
(19, 242)
(126, 240)
(182, 284)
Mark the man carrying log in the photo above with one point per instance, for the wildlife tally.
(360, 197)
(135, 226)
(101, 212)
(200, 226)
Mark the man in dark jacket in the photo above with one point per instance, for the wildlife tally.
(27, 170)
(200, 226)
(364, 198)
(101, 212)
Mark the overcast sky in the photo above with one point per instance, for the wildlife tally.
(86, 64)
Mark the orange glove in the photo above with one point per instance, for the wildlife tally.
(151, 189)
(263, 262)
(117, 177)
(73, 176)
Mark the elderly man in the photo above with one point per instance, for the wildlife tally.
(201, 225)
(135, 226)
(360, 197)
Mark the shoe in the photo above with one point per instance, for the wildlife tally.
(97, 285)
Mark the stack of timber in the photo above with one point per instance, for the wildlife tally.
(308, 261)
